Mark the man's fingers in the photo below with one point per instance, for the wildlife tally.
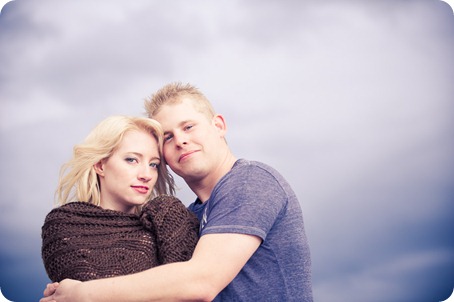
(47, 299)
(50, 290)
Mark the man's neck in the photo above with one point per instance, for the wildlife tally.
(203, 187)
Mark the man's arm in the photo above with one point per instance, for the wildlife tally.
(217, 259)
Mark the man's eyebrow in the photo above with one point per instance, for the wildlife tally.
(180, 124)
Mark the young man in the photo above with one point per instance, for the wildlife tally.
(252, 243)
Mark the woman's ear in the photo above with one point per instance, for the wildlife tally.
(99, 168)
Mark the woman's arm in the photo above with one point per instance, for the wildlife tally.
(175, 228)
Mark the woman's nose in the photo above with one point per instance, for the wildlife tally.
(145, 173)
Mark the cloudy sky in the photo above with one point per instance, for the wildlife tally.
(351, 100)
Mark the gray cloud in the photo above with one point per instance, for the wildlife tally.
(351, 100)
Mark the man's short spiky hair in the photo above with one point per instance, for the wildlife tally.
(173, 93)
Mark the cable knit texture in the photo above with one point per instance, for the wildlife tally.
(84, 242)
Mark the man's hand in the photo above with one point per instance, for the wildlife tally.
(61, 292)
(49, 291)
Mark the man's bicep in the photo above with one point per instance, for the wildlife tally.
(221, 256)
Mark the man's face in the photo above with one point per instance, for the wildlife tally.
(191, 139)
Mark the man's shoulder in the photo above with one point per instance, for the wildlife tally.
(251, 164)
(244, 166)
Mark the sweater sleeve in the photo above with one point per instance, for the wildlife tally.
(175, 227)
(49, 230)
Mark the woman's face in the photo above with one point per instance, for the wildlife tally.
(127, 177)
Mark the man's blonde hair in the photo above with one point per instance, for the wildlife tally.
(78, 178)
(173, 93)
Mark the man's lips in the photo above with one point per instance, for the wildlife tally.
(185, 155)
(141, 189)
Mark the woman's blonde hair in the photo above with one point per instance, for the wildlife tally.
(78, 179)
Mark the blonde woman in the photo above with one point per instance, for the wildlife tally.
(116, 215)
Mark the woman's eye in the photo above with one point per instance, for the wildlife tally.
(154, 165)
(131, 160)
(188, 127)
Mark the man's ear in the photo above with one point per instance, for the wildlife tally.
(219, 122)
(99, 168)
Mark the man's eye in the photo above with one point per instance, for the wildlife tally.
(188, 127)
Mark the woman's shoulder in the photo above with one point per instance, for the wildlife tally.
(65, 213)
(73, 207)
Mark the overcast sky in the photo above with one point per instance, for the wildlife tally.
(351, 100)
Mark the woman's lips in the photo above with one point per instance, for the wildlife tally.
(141, 189)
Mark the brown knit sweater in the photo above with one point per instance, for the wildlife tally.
(84, 242)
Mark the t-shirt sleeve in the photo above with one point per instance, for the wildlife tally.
(248, 202)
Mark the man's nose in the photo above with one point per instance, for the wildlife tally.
(180, 139)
